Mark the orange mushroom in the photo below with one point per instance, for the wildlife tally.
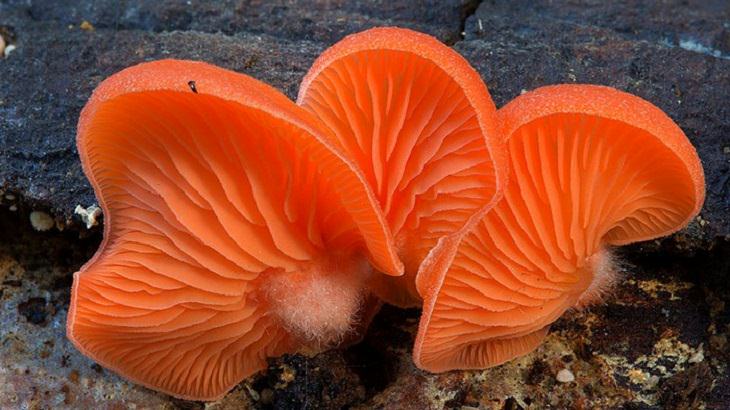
(233, 231)
(591, 168)
(419, 122)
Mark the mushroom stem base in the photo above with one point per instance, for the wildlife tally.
(603, 266)
(319, 303)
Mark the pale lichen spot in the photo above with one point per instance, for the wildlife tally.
(41, 221)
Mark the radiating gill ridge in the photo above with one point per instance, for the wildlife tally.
(411, 129)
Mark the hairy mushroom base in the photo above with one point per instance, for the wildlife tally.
(319, 304)
(579, 183)
(604, 269)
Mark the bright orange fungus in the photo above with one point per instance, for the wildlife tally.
(241, 226)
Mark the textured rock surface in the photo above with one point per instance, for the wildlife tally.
(661, 339)
(319, 21)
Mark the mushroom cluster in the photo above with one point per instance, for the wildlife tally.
(240, 225)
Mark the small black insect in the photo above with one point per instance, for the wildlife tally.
(191, 84)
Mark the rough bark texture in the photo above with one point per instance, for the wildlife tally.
(659, 341)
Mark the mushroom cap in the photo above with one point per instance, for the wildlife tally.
(419, 122)
(206, 192)
(611, 104)
(590, 167)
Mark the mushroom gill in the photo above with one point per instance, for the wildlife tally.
(228, 219)
(591, 168)
(419, 122)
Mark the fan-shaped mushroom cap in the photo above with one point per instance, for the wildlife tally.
(591, 167)
(228, 216)
(419, 122)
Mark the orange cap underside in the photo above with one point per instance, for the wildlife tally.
(420, 124)
(579, 180)
(231, 87)
(187, 181)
